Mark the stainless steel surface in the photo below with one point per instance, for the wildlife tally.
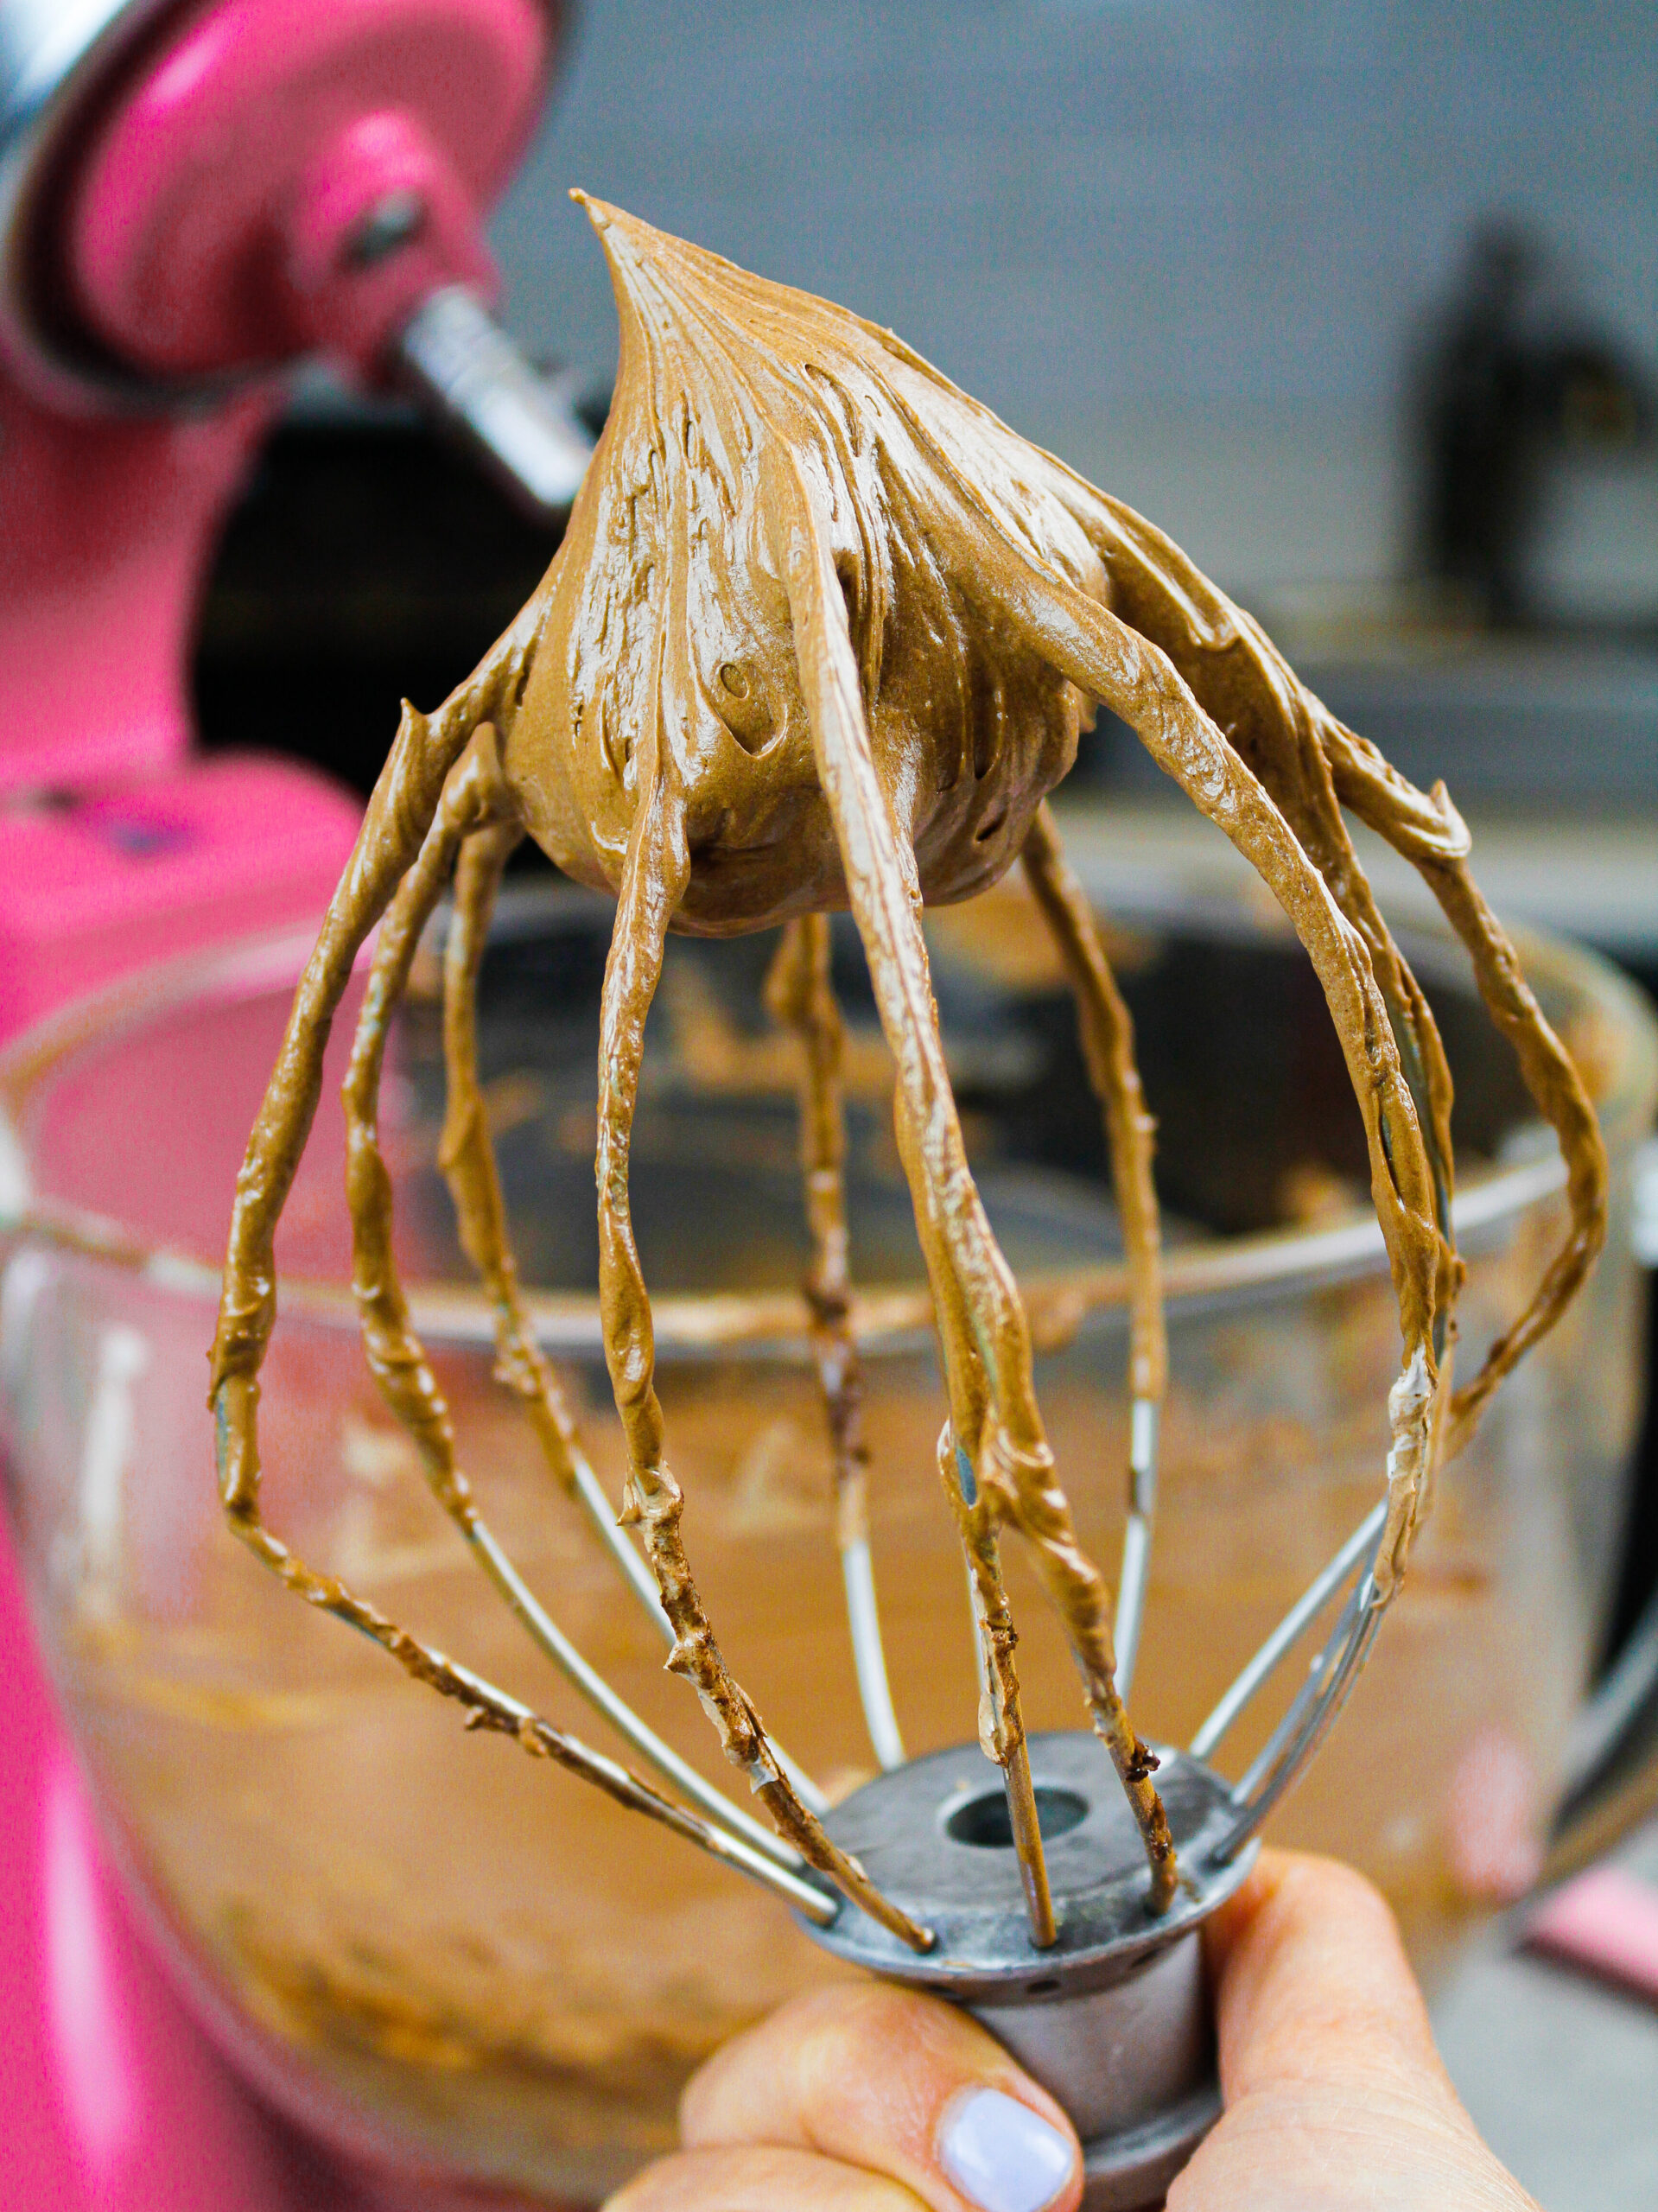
(1114, 2057)
(52, 54)
(934, 1835)
(1118, 2056)
(1144, 1420)
(1300, 1618)
(1114, 2018)
(868, 1654)
(1304, 1727)
(456, 357)
(1123, 2173)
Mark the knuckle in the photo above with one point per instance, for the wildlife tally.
(827, 2054)
(844, 2030)
(1341, 1885)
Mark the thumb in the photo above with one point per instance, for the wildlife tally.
(896, 2084)
(1335, 2096)
(1312, 1984)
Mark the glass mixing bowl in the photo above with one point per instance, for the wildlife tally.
(450, 1960)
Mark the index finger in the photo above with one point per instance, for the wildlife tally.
(900, 2085)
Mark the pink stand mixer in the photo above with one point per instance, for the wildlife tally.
(194, 194)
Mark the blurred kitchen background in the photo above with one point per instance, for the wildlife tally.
(1357, 299)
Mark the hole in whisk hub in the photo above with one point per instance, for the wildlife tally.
(983, 1821)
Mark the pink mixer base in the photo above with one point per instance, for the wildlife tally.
(113, 2100)
(237, 123)
(129, 872)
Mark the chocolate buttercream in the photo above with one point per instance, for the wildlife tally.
(822, 634)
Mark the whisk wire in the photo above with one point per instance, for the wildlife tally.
(1341, 1662)
(868, 1654)
(800, 996)
(504, 1710)
(467, 1157)
(601, 1515)
(550, 1639)
(1333, 1671)
(1305, 1609)
(1135, 1568)
(1106, 1031)
(467, 826)
(1016, 592)
(999, 1692)
(1289, 1724)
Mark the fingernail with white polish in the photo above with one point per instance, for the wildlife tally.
(1000, 2154)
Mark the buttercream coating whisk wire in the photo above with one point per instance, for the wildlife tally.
(822, 634)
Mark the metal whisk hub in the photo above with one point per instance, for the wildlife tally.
(1112, 2017)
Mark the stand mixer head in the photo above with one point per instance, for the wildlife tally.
(196, 195)
(194, 198)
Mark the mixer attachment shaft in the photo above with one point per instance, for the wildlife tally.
(454, 356)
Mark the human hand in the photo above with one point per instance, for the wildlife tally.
(869, 2099)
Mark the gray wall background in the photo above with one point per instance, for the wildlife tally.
(1186, 243)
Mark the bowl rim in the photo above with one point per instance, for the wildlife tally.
(886, 1319)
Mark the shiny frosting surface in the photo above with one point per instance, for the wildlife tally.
(822, 634)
